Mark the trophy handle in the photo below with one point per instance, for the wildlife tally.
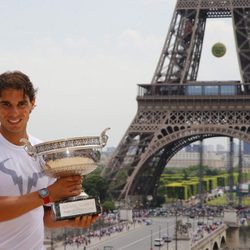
(31, 150)
(104, 137)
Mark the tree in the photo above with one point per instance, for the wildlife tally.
(108, 206)
(158, 200)
(95, 185)
(185, 175)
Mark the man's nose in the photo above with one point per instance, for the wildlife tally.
(14, 110)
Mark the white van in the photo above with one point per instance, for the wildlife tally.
(158, 242)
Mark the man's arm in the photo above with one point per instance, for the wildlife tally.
(14, 206)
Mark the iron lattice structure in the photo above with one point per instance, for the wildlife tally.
(175, 109)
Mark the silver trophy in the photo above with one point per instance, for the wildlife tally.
(67, 157)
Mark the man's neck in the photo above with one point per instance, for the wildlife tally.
(12, 137)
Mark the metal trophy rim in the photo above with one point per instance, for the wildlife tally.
(66, 144)
(59, 150)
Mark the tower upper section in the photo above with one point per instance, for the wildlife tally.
(212, 4)
(181, 53)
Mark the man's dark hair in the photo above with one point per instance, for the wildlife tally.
(17, 80)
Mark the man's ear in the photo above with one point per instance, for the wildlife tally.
(33, 105)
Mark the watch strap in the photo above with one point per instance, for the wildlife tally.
(44, 194)
(46, 200)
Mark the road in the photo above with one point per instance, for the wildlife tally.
(138, 238)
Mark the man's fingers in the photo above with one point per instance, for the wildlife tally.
(77, 220)
(75, 188)
(85, 221)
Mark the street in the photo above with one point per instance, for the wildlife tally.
(140, 237)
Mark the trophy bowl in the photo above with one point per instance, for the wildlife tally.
(67, 157)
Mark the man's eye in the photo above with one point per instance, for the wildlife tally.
(22, 105)
(5, 105)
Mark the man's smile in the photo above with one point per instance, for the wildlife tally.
(14, 121)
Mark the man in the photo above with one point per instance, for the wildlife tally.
(24, 188)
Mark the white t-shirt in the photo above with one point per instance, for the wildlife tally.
(21, 174)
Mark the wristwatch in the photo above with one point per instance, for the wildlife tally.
(44, 194)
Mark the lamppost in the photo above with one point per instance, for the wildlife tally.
(149, 199)
(176, 229)
(160, 236)
(240, 176)
(51, 240)
(151, 239)
(201, 194)
(167, 235)
(65, 243)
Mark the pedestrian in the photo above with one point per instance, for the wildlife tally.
(26, 193)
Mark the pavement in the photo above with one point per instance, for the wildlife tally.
(94, 240)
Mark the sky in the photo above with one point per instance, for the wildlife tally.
(86, 58)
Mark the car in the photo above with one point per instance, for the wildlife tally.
(108, 248)
(197, 237)
(200, 223)
(166, 238)
(158, 242)
(148, 222)
(192, 216)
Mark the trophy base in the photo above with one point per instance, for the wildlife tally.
(79, 206)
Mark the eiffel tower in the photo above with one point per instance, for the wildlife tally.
(175, 109)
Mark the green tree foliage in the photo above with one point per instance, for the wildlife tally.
(120, 179)
(194, 171)
(168, 170)
(95, 185)
(158, 200)
(108, 206)
(185, 174)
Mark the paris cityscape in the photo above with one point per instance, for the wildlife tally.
(163, 184)
(171, 169)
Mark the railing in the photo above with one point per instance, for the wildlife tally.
(195, 89)
(203, 242)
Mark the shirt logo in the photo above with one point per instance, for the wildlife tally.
(18, 180)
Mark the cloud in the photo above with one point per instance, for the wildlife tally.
(132, 38)
(81, 43)
(154, 1)
(48, 45)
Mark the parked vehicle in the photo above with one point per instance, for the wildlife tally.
(108, 248)
(166, 238)
(192, 216)
(200, 223)
(158, 242)
(148, 222)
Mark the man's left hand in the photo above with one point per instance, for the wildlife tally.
(83, 221)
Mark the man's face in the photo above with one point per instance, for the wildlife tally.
(14, 112)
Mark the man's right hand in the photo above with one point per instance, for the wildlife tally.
(65, 187)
